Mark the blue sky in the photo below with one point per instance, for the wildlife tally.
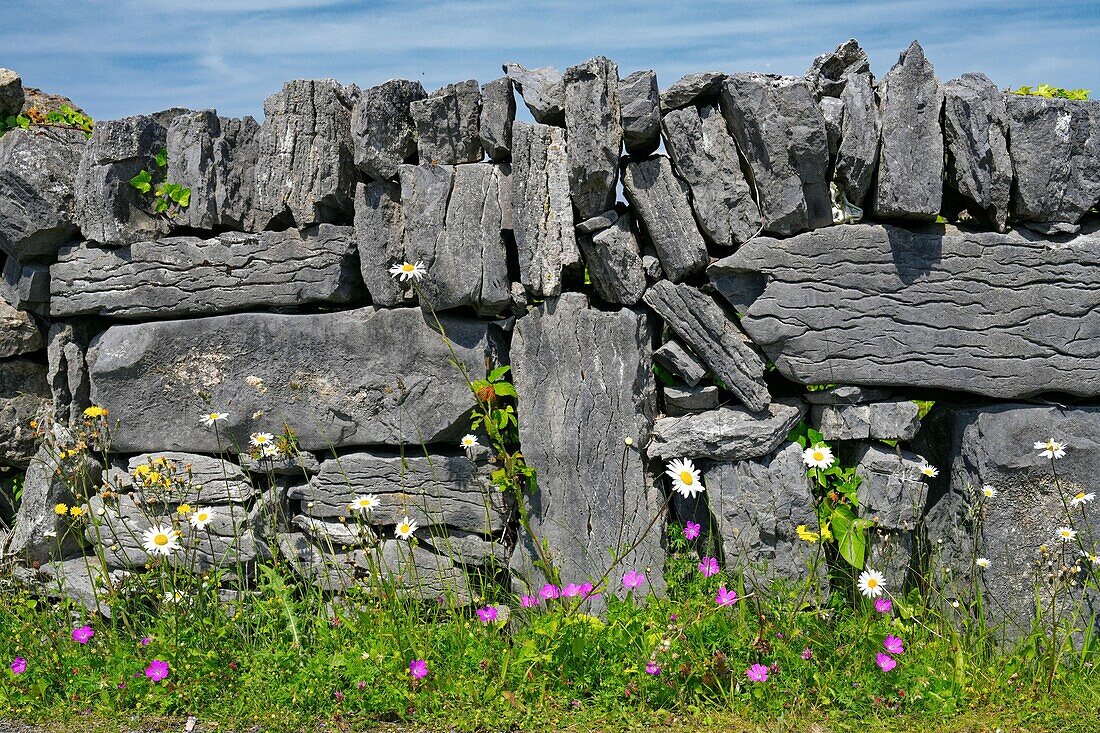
(120, 57)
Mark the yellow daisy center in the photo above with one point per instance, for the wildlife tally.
(872, 583)
(686, 478)
(819, 456)
(408, 267)
(160, 540)
(1080, 495)
(403, 528)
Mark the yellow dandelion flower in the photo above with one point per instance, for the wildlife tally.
(183, 510)
(826, 533)
(61, 509)
(95, 411)
(76, 511)
(807, 535)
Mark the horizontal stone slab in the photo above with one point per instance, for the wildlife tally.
(186, 275)
(357, 377)
(724, 434)
(1001, 315)
(430, 490)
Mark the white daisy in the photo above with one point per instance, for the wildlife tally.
(469, 441)
(929, 471)
(210, 418)
(1081, 498)
(871, 583)
(988, 491)
(172, 596)
(159, 540)
(258, 440)
(405, 528)
(982, 562)
(685, 477)
(201, 517)
(1051, 449)
(270, 450)
(1066, 534)
(364, 504)
(1093, 558)
(818, 456)
(409, 271)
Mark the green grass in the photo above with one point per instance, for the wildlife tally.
(287, 660)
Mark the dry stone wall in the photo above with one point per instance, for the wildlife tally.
(826, 248)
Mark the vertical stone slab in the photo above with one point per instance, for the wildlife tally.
(542, 216)
(705, 157)
(640, 110)
(910, 165)
(975, 129)
(382, 128)
(586, 384)
(380, 231)
(306, 165)
(661, 201)
(595, 134)
(498, 112)
(781, 131)
(448, 124)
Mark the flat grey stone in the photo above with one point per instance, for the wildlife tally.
(615, 263)
(691, 88)
(975, 132)
(680, 401)
(1055, 149)
(992, 446)
(24, 396)
(702, 324)
(107, 208)
(1051, 228)
(11, 93)
(848, 394)
(83, 580)
(302, 464)
(542, 90)
(215, 158)
(705, 157)
(39, 533)
(68, 370)
(382, 128)
(26, 287)
(892, 491)
(448, 124)
(542, 215)
(197, 480)
(435, 491)
(594, 134)
(680, 362)
(910, 163)
(754, 508)
(331, 534)
(498, 112)
(306, 164)
(588, 385)
(640, 111)
(781, 132)
(420, 574)
(830, 73)
(189, 276)
(37, 200)
(19, 333)
(895, 420)
(466, 549)
(357, 377)
(725, 433)
(652, 266)
(953, 299)
(598, 223)
(660, 200)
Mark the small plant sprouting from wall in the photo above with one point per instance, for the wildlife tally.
(1052, 92)
(66, 117)
(168, 198)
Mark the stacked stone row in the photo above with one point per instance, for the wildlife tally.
(731, 265)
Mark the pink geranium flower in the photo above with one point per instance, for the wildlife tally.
(725, 597)
(883, 605)
(83, 635)
(418, 668)
(549, 591)
(708, 567)
(571, 591)
(885, 662)
(18, 665)
(633, 579)
(691, 530)
(652, 668)
(487, 615)
(529, 601)
(893, 645)
(157, 670)
(757, 673)
(807, 653)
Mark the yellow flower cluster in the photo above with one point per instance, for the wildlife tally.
(157, 472)
(95, 411)
(808, 535)
(63, 509)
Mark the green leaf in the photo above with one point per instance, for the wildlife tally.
(497, 374)
(162, 157)
(185, 198)
(851, 535)
(142, 181)
(161, 205)
(505, 389)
